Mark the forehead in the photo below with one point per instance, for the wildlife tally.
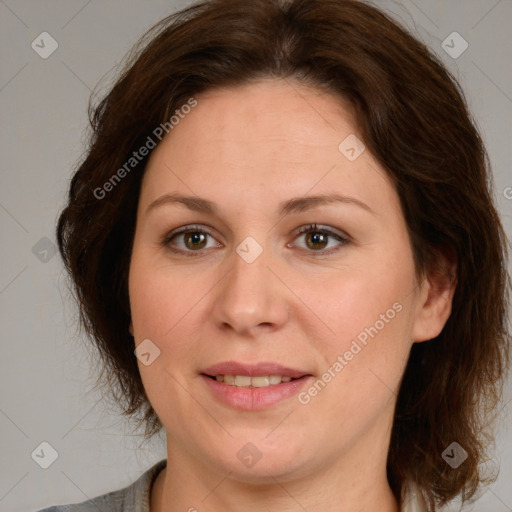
(284, 114)
(263, 140)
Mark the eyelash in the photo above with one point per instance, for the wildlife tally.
(166, 242)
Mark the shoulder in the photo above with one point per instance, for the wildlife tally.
(115, 501)
(134, 498)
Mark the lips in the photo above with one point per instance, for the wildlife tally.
(245, 387)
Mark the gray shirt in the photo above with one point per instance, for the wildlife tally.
(135, 497)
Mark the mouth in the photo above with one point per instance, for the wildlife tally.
(252, 387)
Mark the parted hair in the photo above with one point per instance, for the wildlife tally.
(412, 115)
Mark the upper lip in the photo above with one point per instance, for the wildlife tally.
(253, 369)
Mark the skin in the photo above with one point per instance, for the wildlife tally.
(247, 149)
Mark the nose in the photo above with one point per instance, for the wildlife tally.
(251, 297)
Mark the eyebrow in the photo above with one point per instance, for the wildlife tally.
(294, 205)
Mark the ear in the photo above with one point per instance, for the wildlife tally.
(434, 304)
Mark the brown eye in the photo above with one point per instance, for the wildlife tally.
(189, 240)
(194, 239)
(316, 240)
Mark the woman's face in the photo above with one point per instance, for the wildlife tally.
(242, 293)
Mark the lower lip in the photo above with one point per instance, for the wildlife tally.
(255, 399)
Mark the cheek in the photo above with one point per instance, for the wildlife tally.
(362, 304)
(159, 299)
(162, 311)
(167, 308)
(364, 360)
(369, 314)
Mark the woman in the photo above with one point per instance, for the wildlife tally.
(284, 245)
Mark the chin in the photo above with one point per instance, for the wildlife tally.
(260, 463)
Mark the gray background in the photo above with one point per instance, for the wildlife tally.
(46, 385)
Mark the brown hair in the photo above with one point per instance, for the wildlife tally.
(413, 117)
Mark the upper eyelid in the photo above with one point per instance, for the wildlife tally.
(321, 228)
(189, 228)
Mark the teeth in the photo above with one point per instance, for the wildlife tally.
(260, 382)
(275, 379)
(229, 379)
(243, 381)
